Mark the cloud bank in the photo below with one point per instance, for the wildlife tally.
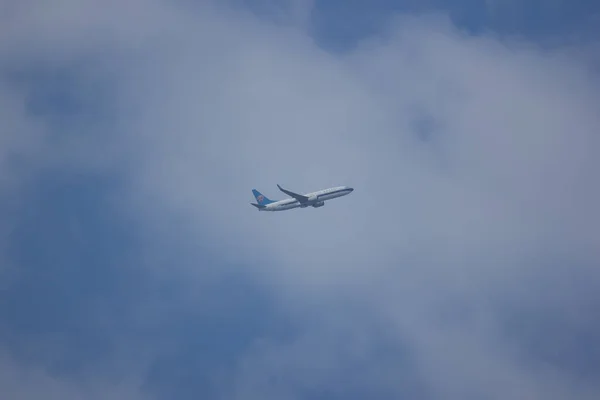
(464, 265)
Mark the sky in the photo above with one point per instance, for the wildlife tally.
(465, 264)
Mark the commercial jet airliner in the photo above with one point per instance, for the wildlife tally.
(314, 199)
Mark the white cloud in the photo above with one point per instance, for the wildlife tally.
(214, 103)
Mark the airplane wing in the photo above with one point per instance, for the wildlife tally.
(299, 197)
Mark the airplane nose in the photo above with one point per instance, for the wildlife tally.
(351, 189)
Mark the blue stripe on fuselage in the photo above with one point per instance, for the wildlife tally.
(318, 196)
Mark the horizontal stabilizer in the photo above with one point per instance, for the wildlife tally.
(299, 197)
(259, 206)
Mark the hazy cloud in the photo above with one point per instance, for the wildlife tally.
(464, 265)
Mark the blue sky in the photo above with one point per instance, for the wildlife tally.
(464, 265)
(338, 25)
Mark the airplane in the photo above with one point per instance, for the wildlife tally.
(314, 199)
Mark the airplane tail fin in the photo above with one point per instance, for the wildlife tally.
(261, 199)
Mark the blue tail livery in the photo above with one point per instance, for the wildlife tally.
(261, 199)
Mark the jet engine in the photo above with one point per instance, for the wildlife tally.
(319, 204)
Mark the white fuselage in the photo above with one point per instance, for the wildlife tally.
(316, 199)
